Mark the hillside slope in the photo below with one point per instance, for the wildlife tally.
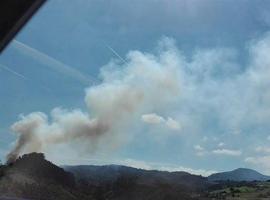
(240, 174)
(33, 177)
(121, 183)
(111, 173)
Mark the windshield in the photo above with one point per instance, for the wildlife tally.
(168, 85)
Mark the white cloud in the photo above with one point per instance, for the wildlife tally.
(236, 132)
(136, 164)
(262, 149)
(198, 148)
(164, 167)
(200, 151)
(172, 124)
(260, 162)
(205, 139)
(227, 152)
(152, 118)
(190, 170)
(221, 144)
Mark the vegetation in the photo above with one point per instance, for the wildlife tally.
(241, 191)
(2, 169)
(33, 177)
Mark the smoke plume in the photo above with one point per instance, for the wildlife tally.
(124, 92)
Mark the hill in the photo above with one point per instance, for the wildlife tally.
(33, 177)
(110, 173)
(122, 182)
(240, 174)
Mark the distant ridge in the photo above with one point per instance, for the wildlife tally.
(111, 173)
(240, 174)
(33, 177)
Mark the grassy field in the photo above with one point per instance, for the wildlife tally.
(254, 191)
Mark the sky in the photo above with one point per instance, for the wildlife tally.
(170, 85)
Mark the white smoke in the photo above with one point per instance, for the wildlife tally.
(124, 92)
(209, 93)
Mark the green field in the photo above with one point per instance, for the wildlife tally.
(254, 191)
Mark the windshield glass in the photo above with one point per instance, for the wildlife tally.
(179, 85)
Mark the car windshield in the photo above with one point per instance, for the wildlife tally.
(179, 85)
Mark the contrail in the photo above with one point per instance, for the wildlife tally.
(115, 53)
(54, 64)
(12, 71)
(8, 69)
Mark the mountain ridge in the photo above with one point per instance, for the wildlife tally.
(116, 166)
(239, 174)
(33, 177)
(110, 173)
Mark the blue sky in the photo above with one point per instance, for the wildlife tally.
(185, 83)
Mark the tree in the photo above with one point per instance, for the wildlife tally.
(1, 169)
